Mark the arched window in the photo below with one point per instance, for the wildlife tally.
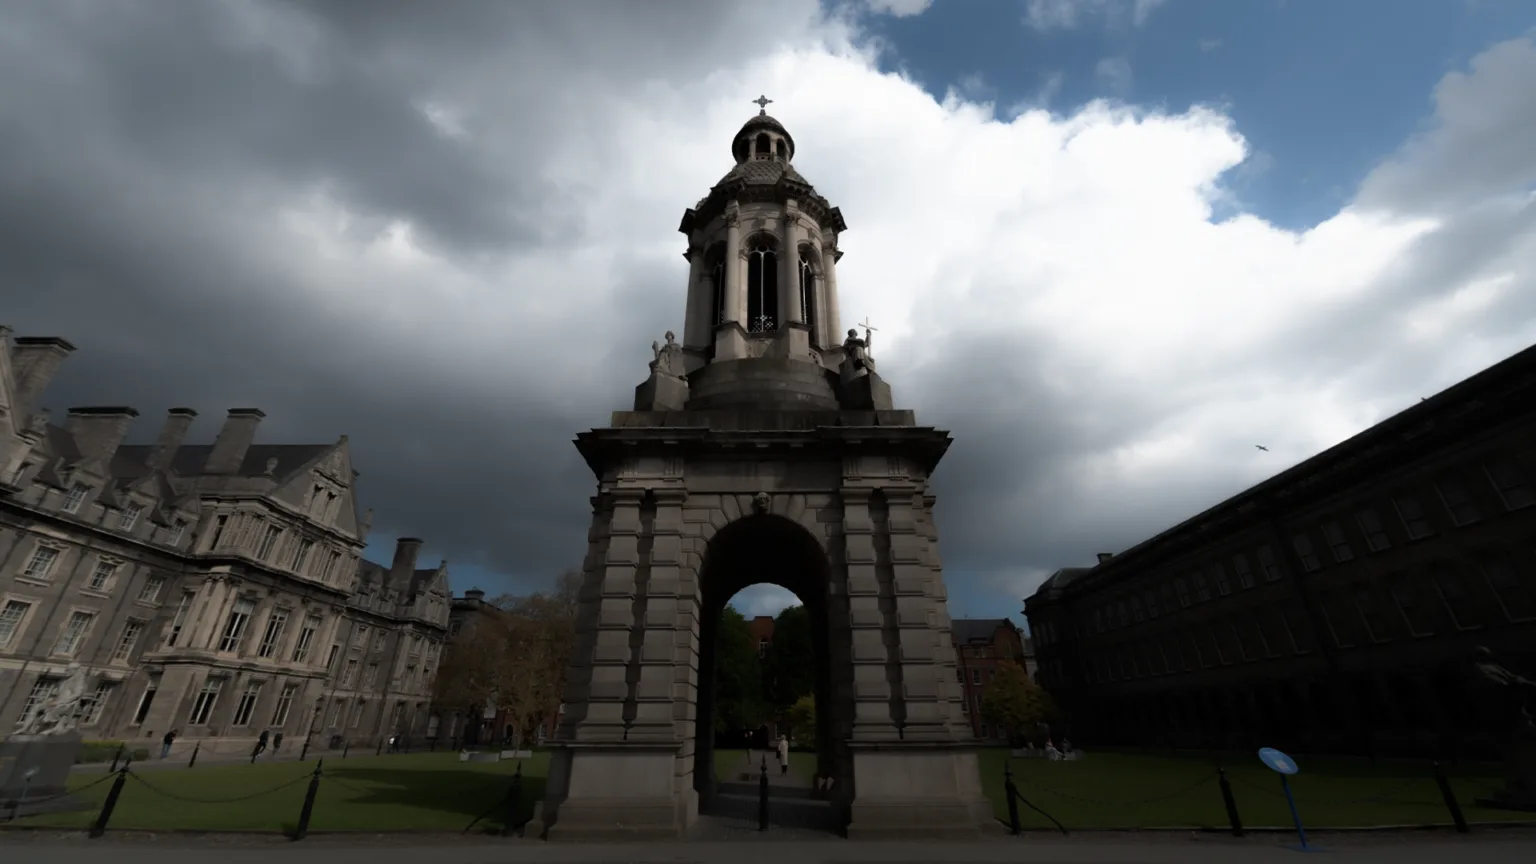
(782, 150)
(808, 291)
(764, 148)
(762, 286)
(714, 271)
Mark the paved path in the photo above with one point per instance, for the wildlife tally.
(1086, 849)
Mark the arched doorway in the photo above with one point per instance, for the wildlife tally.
(767, 549)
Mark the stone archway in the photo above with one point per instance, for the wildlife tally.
(763, 548)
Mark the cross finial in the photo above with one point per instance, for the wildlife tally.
(865, 324)
(762, 103)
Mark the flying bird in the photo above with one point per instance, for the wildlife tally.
(1262, 447)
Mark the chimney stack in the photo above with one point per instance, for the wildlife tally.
(406, 550)
(1105, 556)
(234, 439)
(177, 421)
(34, 361)
(98, 432)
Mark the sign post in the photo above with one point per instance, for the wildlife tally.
(1285, 766)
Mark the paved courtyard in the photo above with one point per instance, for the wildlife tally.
(1490, 847)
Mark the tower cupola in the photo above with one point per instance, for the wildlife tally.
(763, 138)
(761, 326)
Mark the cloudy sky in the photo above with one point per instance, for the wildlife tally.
(1110, 244)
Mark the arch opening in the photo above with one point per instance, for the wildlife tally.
(764, 549)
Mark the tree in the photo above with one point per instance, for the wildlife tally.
(738, 676)
(541, 632)
(1015, 703)
(789, 668)
(801, 719)
(476, 667)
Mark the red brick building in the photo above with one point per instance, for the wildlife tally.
(761, 629)
(981, 644)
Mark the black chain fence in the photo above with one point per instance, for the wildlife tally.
(505, 793)
(1421, 794)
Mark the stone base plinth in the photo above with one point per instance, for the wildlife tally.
(37, 766)
(618, 792)
(904, 792)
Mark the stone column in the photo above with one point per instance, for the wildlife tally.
(654, 720)
(608, 688)
(791, 306)
(872, 720)
(220, 595)
(833, 326)
(735, 276)
(917, 622)
(697, 328)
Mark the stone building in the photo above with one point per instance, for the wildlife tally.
(218, 590)
(980, 645)
(1333, 607)
(763, 449)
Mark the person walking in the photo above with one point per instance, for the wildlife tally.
(277, 742)
(166, 742)
(783, 755)
(261, 745)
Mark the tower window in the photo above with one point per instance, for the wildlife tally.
(764, 147)
(808, 291)
(762, 287)
(782, 150)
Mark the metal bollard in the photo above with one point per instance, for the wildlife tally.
(1230, 802)
(345, 746)
(107, 806)
(195, 748)
(304, 751)
(121, 750)
(379, 749)
(514, 799)
(1450, 800)
(1012, 791)
(762, 796)
(302, 829)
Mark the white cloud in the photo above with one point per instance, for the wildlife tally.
(899, 8)
(1047, 15)
(767, 600)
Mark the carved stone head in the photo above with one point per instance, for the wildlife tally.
(760, 502)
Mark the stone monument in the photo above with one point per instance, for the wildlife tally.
(765, 448)
(35, 760)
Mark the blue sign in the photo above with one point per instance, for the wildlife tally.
(1277, 761)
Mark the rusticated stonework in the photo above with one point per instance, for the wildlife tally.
(772, 458)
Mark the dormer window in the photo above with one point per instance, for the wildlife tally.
(75, 497)
(129, 517)
(178, 529)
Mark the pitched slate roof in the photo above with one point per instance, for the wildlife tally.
(976, 629)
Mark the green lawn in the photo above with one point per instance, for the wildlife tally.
(425, 791)
(434, 791)
(1106, 790)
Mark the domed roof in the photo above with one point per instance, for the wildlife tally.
(763, 122)
(762, 172)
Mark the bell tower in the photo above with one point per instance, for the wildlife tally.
(761, 322)
(763, 448)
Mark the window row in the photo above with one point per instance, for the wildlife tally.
(125, 518)
(1446, 596)
(1505, 482)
